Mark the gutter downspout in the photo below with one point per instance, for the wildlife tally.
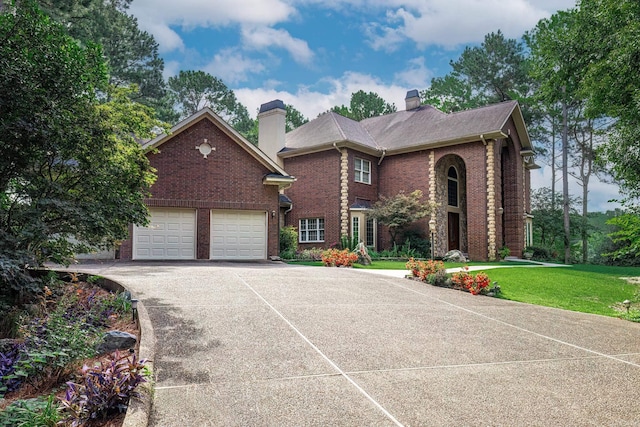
(335, 145)
(484, 141)
(384, 152)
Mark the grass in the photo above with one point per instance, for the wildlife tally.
(595, 289)
(586, 288)
(400, 265)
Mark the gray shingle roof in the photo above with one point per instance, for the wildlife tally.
(402, 130)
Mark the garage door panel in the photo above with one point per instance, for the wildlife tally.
(170, 235)
(238, 235)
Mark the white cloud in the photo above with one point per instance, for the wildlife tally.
(260, 38)
(232, 67)
(311, 103)
(451, 23)
(158, 16)
(416, 75)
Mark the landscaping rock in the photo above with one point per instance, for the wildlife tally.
(363, 254)
(454, 256)
(116, 340)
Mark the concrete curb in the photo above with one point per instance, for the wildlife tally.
(140, 408)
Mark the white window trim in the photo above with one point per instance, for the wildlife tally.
(304, 231)
(361, 171)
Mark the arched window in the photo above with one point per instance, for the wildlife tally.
(452, 179)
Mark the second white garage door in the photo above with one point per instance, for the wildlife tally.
(240, 235)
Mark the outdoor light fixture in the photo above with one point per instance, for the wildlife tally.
(134, 309)
(626, 304)
(432, 229)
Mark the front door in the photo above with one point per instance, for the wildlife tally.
(453, 230)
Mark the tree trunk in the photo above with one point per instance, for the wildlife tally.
(565, 181)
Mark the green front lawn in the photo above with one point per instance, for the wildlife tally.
(585, 288)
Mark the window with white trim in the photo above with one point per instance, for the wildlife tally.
(362, 171)
(311, 230)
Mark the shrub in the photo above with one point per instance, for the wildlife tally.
(477, 284)
(313, 254)
(423, 269)
(339, 258)
(33, 412)
(104, 389)
(347, 242)
(416, 241)
(439, 278)
(288, 239)
(504, 252)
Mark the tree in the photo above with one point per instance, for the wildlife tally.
(609, 31)
(557, 65)
(294, 118)
(71, 165)
(627, 238)
(365, 105)
(190, 91)
(399, 211)
(495, 71)
(131, 54)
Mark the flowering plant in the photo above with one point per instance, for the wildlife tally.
(338, 258)
(474, 284)
(423, 269)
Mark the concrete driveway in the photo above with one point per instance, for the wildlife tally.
(276, 345)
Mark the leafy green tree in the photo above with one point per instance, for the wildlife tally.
(608, 31)
(131, 54)
(557, 65)
(365, 105)
(399, 211)
(190, 91)
(495, 71)
(626, 237)
(294, 118)
(71, 165)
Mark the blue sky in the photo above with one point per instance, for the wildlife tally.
(313, 54)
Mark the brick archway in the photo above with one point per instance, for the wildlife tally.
(451, 217)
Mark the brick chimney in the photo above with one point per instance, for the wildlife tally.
(412, 101)
(271, 129)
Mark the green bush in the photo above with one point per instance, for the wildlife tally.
(39, 412)
(288, 240)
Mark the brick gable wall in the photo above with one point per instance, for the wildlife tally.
(230, 178)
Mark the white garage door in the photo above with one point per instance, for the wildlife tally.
(170, 235)
(238, 234)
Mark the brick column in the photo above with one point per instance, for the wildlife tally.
(344, 193)
(491, 201)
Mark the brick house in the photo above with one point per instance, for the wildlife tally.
(475, 165)
(217, 196)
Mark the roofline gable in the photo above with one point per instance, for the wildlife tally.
(208, 114)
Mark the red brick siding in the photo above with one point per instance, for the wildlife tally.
(230, 178)
(403, 172)
(316, 193)
(474, 157)
(358, 190)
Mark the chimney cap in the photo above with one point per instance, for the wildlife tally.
(412, 94)
(272, 105)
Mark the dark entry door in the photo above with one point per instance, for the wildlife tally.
(453, 233)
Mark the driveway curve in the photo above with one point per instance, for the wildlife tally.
(278, 345)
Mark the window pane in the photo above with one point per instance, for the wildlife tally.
(355, 228)
(453, 193)
(370, 233)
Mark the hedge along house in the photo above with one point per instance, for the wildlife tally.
(474, 165)
(217, 196)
